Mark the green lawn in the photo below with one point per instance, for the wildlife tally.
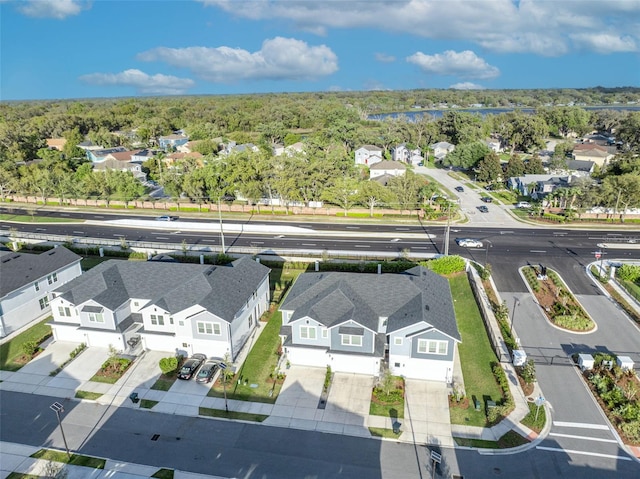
(76, 459)
(163, 474)
(530, 419)
(36, 219)
(476, 355)
(280, 279)
(163, 384)
(147, 403)
(257, 368)
(395, 410)
(11, 351)
(87, 395)
(243, 416)
(632, 288)
(382, 432)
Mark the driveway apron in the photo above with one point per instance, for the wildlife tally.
(426, 413)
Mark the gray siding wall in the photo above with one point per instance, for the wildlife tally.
(207, 317)
(436, 357)
(336, 339)
(295, 333)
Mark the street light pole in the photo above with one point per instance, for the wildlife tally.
(486, 253)
(221, 229)
(516, 302)
(446, 235)
(58, 408)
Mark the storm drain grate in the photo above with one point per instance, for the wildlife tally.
(155, 437)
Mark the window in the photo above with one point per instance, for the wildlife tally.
(135, 303)
(170, 319)
(180, 323)
(397, 341)
(96, 318)
(36, 286)
(307, 332)
(52, 278)
(157, 320)
(351, 340)
(396, 365)
(325, 333)
(432, 347)
(44, 302)
(208, 328)
(250, 320)
(64, 311)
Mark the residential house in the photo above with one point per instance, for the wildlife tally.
(101, 154)
(353, 322)
(294, 148)
(172, 141)
(368, 155)
(494, 145)
(112, 163)
(537, 186)
(578, 168)
(441, 149)
(232, 147)
(278, 149)
(141, 156)
(386, 167)
(174, 158)
(188, 147)
(177, 307)
(600, 155)
(26, 280)
(405, 155)
(56, 143)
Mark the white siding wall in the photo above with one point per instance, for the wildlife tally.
(62, 332)
(354, 364)
(22, 306)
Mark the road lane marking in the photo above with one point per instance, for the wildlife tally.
(308, 244)
(64, 214)
(572, 436)
(584, 453)
(537, 251)
(79, 232)
(41, 229)
(402, 229)
(363, 246)
(581, 425)
(353, 227)
(162, 238)
(207, 241)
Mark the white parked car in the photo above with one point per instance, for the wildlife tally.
(469, 243)
(523, 205)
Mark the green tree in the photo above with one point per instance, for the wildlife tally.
(466, 155)
(629, 132)
(515, 166)
(489, 168)
(371, 194)
(71, 149)
(461, 127)
(406, 189)
(343, 193)
(534, 166)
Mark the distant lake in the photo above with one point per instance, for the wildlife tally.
(413, 114)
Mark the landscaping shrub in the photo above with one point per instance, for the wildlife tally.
(527, 372)
(327, 379)
(573, 322)
(628, 272)
(29, 348)
(445, 264)
(77, 351)
(168, 365)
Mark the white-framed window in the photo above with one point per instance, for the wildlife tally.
(351, 340)
(180, 323)
(44, 302)
(432, 346)
(135, 303)
(397, 341)
(250, 320)
(64, 311)
(158, 320)
(52, 278)
(96, 318)
(325, 333)
(170, 319)
(208, 328)
(307, 332)
(36, 286)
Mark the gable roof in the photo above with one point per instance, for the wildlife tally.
(417, 295)
(173, 287)
(388, 165)
(370, 148)
(20, 269)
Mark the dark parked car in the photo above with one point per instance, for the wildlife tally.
(483, 209)
(190, 366)
(207, 371)
(487, 199)
(459, 189)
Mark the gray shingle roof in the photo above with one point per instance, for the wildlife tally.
(405, 299)
(20, 269)
(173, 287)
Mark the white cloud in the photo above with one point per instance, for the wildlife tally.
(144, 83)
(464, 64)
(605, 42)
(58, 9)
(278, 59)
(384, 58)
(542, 27)
(467, 85)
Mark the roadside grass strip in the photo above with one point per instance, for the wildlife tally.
(243, 416)
(75, 460)
(87, 395)
(147, 403)
(163, 474)
(11, 351)
(383, 432)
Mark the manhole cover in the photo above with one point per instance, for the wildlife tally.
(155, 437)
(497, 471)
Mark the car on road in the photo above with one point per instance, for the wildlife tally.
(483, 209)
(207, 371)
(487, 199)
(469, 243)
(523, 205)
(167, 218)
(191, 365)
(459, 189)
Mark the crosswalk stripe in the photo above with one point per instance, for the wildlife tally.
(571, 436)
(584, 453)
(581, 425)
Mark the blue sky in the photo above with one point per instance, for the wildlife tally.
(108, 48)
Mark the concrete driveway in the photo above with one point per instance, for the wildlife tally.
(426, 416)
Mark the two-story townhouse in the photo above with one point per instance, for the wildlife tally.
(174, 140)
(184, 308)
(390, 168)
(441, 149)
(26, 281)
(359, 322)
(368, 155)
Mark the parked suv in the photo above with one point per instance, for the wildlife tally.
(523, 205)
(190, 366)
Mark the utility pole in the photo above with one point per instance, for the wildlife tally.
(446, 233)
(221, 229)
(58, 408)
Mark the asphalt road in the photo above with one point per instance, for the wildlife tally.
(233, 449)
